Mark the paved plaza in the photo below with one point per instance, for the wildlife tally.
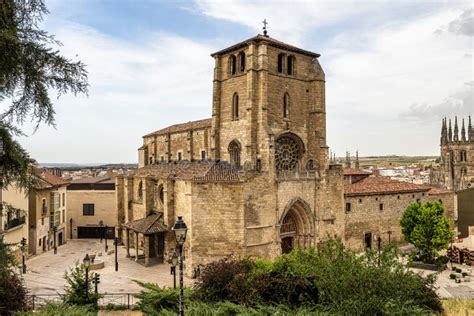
(45, 272)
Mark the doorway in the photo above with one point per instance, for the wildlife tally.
(286, 244)
(368, 240)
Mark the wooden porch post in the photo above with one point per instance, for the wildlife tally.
(128, 242)
(136, 247)
(147, 249)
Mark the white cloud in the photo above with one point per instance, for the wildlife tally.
(135, 88)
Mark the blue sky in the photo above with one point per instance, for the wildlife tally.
(393, 69)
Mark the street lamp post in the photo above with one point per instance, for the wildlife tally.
(174, 263)
(23, 253)
(105, 237)
(55, 229)
(87, 262)
(116, 258)
(101, 224)
(180, 229)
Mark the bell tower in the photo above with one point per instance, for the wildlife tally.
(268, 109)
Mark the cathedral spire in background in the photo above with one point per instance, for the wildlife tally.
(348, 159)
(444, 132)
(456, 130)
(470, 130)
(450, 132)
(463, 132)
(357, 160)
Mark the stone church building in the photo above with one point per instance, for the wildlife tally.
(456, 170)
(254, 179)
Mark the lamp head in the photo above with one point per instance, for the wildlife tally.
(180, 229)
(86, 261)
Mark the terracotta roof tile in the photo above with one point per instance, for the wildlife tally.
(90, 180)
(382, 185)
(149, 225)
(47, 179)
(271, 41)
(194, 171)
(183, 127)
(355, 172)
(435, 191)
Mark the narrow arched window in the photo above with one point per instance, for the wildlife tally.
(286, 105)
(235, 106)
(290, 65)
(140, 190)
(242, 61)
(234, 153)
(232, 64)
(281, 61)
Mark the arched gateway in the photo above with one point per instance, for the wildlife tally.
(296, 226)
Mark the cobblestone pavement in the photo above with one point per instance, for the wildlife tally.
(45, 272)
(448, 288)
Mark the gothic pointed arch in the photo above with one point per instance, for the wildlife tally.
(297, 227)
(289, 149)
(234, 153)
(286, 105)
(235, 106)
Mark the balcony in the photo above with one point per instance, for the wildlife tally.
(14, 223)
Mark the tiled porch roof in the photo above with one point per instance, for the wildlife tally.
(149, 225)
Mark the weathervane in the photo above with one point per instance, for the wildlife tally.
(265, 27)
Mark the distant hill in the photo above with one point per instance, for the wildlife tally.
(73, 166)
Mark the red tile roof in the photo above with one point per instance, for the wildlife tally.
(202, 171)
(382, 185)
(47, 180)
(270, 41)
(183, 127)
(435, 191)
(91, 180)
(355, 172)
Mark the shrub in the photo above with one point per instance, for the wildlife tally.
(458, 270)
(154, 298)
(12, 293)
(465, 274)
(452, 276)
(60, 310)
(75, 290)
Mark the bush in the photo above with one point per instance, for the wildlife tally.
(60, 310)
(154, 298)
(12, 293)
(465, 274)
(458, 270)
(452, 276)
(75, 290)
(334, 280)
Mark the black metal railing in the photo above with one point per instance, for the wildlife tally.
(15, 222)
(123, 300)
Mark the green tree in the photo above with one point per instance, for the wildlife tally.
(29, 69)
(424, 226)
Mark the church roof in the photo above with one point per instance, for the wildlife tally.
(270, 41)
(151, 224)
(193, 171)
(47, 180)
(382, 185)
(183, 127)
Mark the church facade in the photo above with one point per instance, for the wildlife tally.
(252, 180)
(456, 170)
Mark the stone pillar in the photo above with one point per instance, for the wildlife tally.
(128, 242)
(136, 246)
(147, 250)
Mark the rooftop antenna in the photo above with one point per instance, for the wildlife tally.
(265, 33)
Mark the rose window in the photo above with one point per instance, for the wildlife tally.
(288, 151)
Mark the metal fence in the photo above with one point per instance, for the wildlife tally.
(125, 300)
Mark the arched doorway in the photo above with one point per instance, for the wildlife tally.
(296, 226)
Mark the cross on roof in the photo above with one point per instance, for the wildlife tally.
(265, 27)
